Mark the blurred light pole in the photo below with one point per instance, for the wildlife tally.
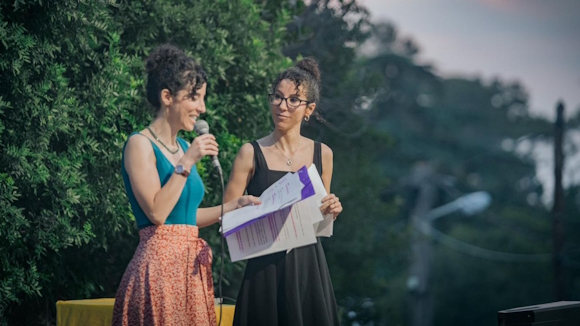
(418, 283)
(559, 202)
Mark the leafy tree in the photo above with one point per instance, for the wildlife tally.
(71, 91)
(71, 76)
(382, 113)
(66, 93)
(470, 132)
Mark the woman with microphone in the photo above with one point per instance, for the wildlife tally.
(169, 280)
(286, 288)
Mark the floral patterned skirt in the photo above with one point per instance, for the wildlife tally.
(168, 281)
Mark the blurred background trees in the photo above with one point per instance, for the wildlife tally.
(71, 91)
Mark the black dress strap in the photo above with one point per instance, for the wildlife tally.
(259, 159)
(318, 156)
(260, 179)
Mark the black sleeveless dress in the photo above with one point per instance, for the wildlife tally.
(291, 289)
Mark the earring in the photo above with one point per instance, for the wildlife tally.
(306, 118)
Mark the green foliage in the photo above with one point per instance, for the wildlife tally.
(72, 82)
(382, 114)
(67, 101)
(72, 90)
(469, 131)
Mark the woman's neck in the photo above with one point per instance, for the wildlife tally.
(162, 128)
(287, 140)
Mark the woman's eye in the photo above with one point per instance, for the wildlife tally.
(277, 97)
(293, 100)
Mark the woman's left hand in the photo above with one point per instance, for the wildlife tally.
(247, 200)
(331, 205)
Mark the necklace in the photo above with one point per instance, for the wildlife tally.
(160, 142)
(288, 160)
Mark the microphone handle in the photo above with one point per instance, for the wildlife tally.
(216, 164)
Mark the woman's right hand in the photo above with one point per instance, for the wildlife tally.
(201, 146)
(247, 200)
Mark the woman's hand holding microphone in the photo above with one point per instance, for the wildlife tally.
(201, 146)
(206, 145)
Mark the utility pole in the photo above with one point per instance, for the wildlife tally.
(558, 208)
(418, 284)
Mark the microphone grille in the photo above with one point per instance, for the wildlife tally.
(201, 127)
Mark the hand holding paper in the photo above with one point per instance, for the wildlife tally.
(292, 188)
(289, 217)
(323, 224)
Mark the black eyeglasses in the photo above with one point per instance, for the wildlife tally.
(291, 102)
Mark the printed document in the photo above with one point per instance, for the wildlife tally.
(251, 234)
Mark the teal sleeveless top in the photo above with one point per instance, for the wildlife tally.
(185, 211)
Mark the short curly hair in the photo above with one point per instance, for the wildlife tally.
(168, 67)
(306, 73)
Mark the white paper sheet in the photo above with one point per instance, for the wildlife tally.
(284, 193)
(323, 225)
(279, 231)
(326, 227)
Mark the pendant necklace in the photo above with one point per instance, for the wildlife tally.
(288, 160)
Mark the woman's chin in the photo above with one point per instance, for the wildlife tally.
(188, 128)
(283, 125)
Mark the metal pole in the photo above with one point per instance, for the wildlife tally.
(418, 283)
(558, 208)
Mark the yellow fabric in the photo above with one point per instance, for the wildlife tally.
(99, 312)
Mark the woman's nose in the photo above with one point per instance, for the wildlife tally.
(283, 105)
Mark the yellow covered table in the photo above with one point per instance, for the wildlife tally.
(99, 312)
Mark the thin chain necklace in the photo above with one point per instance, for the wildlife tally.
(288, 160)
(160, 142)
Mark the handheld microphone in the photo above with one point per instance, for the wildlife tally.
(202, 128)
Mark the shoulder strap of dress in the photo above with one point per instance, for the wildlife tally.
(259, 160)
(317, 160)
(125, 145)
(131, 135)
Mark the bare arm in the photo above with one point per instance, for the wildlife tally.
(140, 163)
(242, 172)
(210, 215)
(327, 166)
(233, 197)
(330, 203)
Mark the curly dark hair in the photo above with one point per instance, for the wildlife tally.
(306, 73)
(168, 67)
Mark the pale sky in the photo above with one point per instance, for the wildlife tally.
(536, 42)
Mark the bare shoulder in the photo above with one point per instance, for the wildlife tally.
(241, 172)
(246, 151)
(138, 143)
(245, 159)
(326, 152)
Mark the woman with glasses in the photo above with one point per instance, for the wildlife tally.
(286, 288)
